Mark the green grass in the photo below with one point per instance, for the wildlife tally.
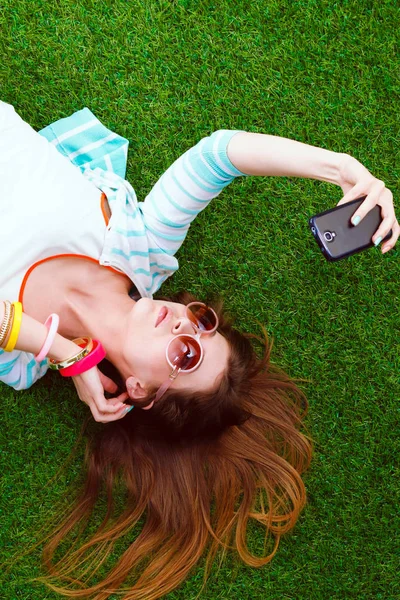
(164, 74)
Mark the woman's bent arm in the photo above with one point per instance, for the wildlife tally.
(33, 334)
(20, 370)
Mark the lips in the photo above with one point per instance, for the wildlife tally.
(162, 315)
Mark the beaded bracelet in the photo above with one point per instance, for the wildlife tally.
(15, 328)
(51, 323)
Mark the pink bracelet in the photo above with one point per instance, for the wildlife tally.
(51, 323)
(95, 356)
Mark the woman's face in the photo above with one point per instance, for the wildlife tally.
(149, 329)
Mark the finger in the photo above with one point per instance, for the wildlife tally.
(390, 243)
(118, 399)
(109, 406)
(108, 418)
(108, 384)
(126, 411)
(118, 415)
(370, 201)
(362, 210)
(352, 194)
(382, 231)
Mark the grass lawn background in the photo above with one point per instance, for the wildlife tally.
(164, 74)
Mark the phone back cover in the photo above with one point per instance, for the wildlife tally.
(348, 239)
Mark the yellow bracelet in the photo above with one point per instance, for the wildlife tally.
(16, 326)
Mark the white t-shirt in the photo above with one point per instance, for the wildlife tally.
(47, 207)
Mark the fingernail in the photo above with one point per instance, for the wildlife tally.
(378, 241)
(128, 410)
(356, 220)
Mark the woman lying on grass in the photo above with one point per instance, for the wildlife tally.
(214, 438)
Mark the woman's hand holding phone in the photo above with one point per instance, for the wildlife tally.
(356, 181)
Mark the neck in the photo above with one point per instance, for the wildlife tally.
(100, 312)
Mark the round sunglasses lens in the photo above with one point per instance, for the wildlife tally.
(184, 353)
(202, 316)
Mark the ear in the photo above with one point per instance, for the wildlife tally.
(136, 391)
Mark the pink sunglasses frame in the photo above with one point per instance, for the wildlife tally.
(176, 370)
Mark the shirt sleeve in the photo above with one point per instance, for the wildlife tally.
(20, 370)
(87, 143)
(186, 188)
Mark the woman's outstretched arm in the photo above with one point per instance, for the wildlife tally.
(202, 172)
(269, 155)
(261, 154)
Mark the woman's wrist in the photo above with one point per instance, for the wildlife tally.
(345, 162)
(62, 348)
(331, 169)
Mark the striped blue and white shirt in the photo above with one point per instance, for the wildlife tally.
(141, 238)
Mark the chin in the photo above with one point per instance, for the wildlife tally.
(144, 305)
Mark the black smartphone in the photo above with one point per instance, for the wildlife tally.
(338, 237)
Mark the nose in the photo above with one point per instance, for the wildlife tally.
(183, 325)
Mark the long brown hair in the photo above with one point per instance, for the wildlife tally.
(193, 470)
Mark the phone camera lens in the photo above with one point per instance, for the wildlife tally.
(329, 236)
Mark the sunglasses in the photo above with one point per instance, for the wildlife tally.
(184, 353)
